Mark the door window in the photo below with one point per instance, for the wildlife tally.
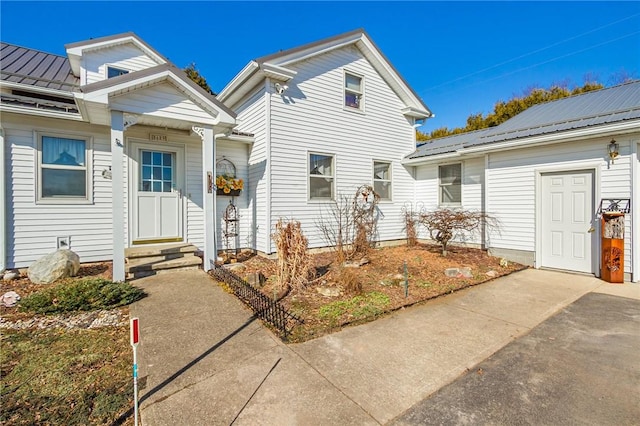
(157, 171)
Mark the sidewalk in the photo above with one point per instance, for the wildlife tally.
(206, 361)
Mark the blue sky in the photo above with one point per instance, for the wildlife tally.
(460, 57)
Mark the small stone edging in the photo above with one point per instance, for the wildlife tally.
(84, 320)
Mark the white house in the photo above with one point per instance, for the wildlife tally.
(543, 174)
(112, 151)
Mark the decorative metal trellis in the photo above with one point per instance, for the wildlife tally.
(265, 308)
(231, 219)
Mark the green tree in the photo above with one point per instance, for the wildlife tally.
(195, 76)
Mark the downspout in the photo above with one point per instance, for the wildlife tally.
(3, 205)
(635, 212)
(267, 90)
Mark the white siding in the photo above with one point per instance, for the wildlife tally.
(310, 116)
(160, 100)
(125, 56)
(32, 229)
(252, 119)
(512, 186)
(238, 154)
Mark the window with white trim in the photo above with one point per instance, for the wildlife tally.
(353, 91)
(321, 176)
(450, 184)
(382, 179)
(115, 72)
(63, 169)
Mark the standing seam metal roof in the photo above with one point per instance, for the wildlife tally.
(36, 68)
(604, 106)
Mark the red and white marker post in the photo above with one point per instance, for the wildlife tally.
(134, 328)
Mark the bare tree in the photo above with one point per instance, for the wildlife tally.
(295, 267)
(446, 224)
(411, 215)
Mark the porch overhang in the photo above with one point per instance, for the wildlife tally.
(122, 93)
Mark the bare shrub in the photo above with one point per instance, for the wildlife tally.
(350, 227)
(445, 224)
(295, 266)
(411, 217)
(349, 280)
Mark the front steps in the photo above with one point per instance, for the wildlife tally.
(142, 261)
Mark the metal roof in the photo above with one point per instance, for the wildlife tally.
(604, 106)
(36, 68)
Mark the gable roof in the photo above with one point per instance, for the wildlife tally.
(77, 49)
(21, 65)
(587, 110)
(275, 66)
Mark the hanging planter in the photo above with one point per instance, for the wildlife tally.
(227, 184)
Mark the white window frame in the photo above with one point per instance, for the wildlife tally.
(88, 168)
(361, 92)
(440, 185)
(390, 180)
(106, 71)
(310, 176)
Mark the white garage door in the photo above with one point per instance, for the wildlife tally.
(567, 212)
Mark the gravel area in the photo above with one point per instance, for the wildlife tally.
(87, 320)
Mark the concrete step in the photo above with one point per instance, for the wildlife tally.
(142, 274)
(142, 264)
(159, 250)
(135, 261)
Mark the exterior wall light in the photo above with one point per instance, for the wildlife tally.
(613, 148)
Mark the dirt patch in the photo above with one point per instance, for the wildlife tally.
(360, 294)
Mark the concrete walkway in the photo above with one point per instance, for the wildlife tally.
(206, 361)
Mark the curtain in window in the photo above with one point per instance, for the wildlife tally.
(61, 151)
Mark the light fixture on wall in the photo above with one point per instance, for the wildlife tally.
(281, 88)
(613, 148)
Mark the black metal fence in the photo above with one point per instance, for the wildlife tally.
(266, 309)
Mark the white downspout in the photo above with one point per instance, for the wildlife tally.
(267, 89)
(3, 205)
(635, 211)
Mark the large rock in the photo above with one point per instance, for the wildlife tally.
(54, 266)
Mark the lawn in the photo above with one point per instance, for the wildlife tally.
(55, 373)
(341, 296)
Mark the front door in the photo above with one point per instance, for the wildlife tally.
(567, 214)
(157, 194)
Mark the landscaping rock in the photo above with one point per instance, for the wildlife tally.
(328, 291)
(504, 262)
(356, 263)
(256, 279)
(465, 273)
(235, 267)
(452, 272)
(364, 261)
(54, 266)
(11, 275)
(9, 299)
(491, 274)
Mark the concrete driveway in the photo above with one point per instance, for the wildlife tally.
(206, 361)
(579, 367)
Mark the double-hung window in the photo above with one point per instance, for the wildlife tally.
(321, 176)
(63, 169)
(450, 183)
(353, 91)
(382, 179)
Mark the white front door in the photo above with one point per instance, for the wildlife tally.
(567, 214)
(157, 210)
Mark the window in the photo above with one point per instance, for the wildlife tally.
(382, 179)
(353, 91)
(63, 171)
(157, 171)
(450, 184)
(321, 176)
(114, 72)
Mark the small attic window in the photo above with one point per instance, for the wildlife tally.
(115, 72)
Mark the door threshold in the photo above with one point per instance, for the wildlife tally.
(157, 241)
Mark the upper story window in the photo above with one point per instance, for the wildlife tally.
(382, 179)
(321, 176)
(115, 72)
(450, 183)
(353, 91)
(63, 171)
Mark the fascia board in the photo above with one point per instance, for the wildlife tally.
(430, 159)
(238, 81)
(415, 112)
(37, 89)
(315, 50)
(89, 47)
(277, 72)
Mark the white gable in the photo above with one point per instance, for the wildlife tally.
(125, 56)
